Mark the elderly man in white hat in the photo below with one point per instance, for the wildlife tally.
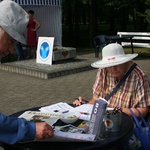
(134, 91)
(13, 23)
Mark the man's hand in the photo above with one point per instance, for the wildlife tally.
(43, 130)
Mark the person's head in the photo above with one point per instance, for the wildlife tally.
(114, 59)
(31, 13)
(118, 71)
(13, 24)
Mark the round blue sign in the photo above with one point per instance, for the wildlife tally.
(44, 50)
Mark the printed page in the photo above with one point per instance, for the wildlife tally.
(50, 118)
(85, 110)
(58, 107)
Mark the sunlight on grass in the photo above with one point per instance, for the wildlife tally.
(140, 51)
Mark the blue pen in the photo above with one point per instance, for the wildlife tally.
(83, 100)
(65, 111)
(84, 113)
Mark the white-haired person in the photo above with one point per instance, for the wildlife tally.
(13, 23)
(134, 91)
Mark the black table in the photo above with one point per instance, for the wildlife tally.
(102, 40)
(123, 38)
(112, 139)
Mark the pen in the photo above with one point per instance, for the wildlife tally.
(65, 111)
(83, 100)
(62, 112)
(56, 110)
(84, 113)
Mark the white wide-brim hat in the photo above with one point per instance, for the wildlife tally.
(14, 20)
(113, 55)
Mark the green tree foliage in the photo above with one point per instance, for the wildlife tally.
(84, 19)
(146, 14)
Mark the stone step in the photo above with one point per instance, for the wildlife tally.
(57, 69)
(63, 53)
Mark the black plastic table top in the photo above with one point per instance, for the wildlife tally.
(121, 38)
(111, 139)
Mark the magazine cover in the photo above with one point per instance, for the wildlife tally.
(97, 117)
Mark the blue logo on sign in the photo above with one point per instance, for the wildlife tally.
(44, 50)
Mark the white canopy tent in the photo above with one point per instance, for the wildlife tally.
(39, 2)
(49, 14)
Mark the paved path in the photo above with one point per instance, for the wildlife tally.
(19, 92)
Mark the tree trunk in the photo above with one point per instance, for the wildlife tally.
(112, 21)
(69, 18)
(77, 18)
(93, 20)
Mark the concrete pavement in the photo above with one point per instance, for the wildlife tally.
(19, 91)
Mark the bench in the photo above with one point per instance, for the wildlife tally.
(140, 39)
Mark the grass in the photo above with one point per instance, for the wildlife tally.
(140, 51)
(143, 52)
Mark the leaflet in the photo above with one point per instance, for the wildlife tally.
(58, 107)
(50, 118)
(85, 109)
